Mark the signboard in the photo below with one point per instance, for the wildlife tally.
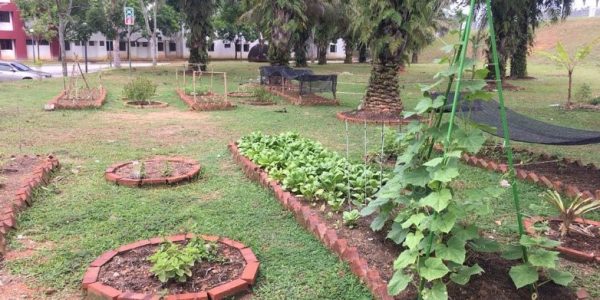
(129, 16)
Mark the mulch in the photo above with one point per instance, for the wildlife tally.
(576, 240)
(130, 272)
(155, 168)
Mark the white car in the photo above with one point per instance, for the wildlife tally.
(17, 71)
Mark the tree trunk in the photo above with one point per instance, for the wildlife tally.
(415, 58)
(279, 52)
(116, 53)
(348, 50)
(61, 41)
(154, 39)
(518, 60)
(300, 49)
(570, 88)
(322, 53)
(362, 54)
(383, 91)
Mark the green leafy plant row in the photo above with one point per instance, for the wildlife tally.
(174, 261)
(309, 170)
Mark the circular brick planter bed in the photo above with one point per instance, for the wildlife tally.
(92, 98)
(205, 101)
(158, 171)
(576, 245)
(146, 104)
(372, 117)
(124, 273)
(240, 94)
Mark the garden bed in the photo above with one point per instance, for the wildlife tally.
(156, 171)
(560, 174)
(373, 117)
(293, 96)
(146, 104)
(579, 246)
(93, 98)
(371, 256)
(205, 102)
(125, 273)
(19, 176)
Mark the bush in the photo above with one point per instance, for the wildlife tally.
(139, 89)
(583, 93)
(595, 101)
(260, 94)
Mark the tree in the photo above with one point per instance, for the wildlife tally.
(57, 12)
(228, 26)
(386, 26)
(199, 20)
(148, 7)
(569, 62)
(327, 28)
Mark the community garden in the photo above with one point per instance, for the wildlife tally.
(255, 181)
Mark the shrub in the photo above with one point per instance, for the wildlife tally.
(139, 89)
(583, 93)
(260, 94)
(595, 101)
(173, 261)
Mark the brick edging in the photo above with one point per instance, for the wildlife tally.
(315, 101)
(194, 105)
(315, 224)
(91, 284)
(23, 197)
(97, 104)
(532, 177)
(574, 254)
(110, 174)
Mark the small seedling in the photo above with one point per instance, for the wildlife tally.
(167, 170)
(173, 261)
(570, 209)
(138, 170)
(351, 218)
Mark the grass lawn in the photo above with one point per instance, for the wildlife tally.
(79, 215)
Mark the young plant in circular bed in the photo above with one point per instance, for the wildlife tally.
(139, 91)
(174, 262)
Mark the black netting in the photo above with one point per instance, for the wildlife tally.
(310, 84)
(523, 128)
(274, 74)
(259, 53)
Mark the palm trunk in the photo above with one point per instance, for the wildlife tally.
(362, 54)
(61, 41)
(300, 49)
(154, 39)
(415, 58)
(383, 91)
(570, 88)
(348, 50)
(279, 53)
(322, 53)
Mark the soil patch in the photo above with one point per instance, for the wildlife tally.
(205, 102)
(85, 98)
(373, 117)
(130, 271)
(12, 173)
(575, 239)
(155, 171)
(585, 177)
(156, 168)
(146, 104)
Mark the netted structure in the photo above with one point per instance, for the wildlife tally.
(310, 84)
(302, 80)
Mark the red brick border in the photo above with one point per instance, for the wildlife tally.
(97, 103)
(110, 174)
(99, 290)
(23, 197)
(194, 105)
(312, 100)
(571, 253)
(532, 177)
(315, 224)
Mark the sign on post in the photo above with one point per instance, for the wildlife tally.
(129, 16)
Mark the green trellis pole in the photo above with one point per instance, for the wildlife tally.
(507, 147)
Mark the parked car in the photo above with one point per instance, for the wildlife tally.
(11, 70)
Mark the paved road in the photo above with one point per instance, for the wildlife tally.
(56, 69)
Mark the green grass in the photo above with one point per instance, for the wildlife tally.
(82, 215)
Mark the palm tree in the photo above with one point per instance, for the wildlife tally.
(198, 18)
(387, 26)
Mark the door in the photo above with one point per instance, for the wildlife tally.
(7, 73)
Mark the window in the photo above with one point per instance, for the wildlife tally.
(5, 67)
(29, 42)
(238, 47)
(227, 45)
(6, 44)
(246, 47)
(20, 67)
(211, 47)
(133, 44)
(109, 46)
(101, 43)
(161, 46)
(92, 43)
(77, 43)
(172, 47)
(4, 17)
(44, 43)
(144, 44)
(122, 46)
(333, 48)
(67, 46)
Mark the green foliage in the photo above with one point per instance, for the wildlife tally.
(595, 101)
(583, 93)
(571, 208)
(350, 218)
(307, 169)
(200, 90)
(261, 94)
(167, 170)
(174, 261)
(139, 89)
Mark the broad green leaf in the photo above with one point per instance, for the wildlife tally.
(436, 292)
(481, 73)
(417, 177)
(433, 268)
(398, 283)
(437, 200)
(454, 250)
(470, 141)
(406, 258)
(444, 222)
(413, 239)
(465, 233)
(434, 162)
(425, 88)
(424, 105)
(542, 258)
(560, 277)
(513, 252)
(415, 219)
(484, 245)
(379, 222)
(474, 85)
(438, 102)
(445, 174)
(464, 274)
(397, 234)
(523, 275)
(541, 241)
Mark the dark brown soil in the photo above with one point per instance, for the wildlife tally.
(376, 116)
(491, 86)
(145, 103)
(131, 272)
(156, 168)
(584, 177)
(13, 171)
(576, 240)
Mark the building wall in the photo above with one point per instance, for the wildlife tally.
(13, 31)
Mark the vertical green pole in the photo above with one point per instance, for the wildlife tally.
(509, 153)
